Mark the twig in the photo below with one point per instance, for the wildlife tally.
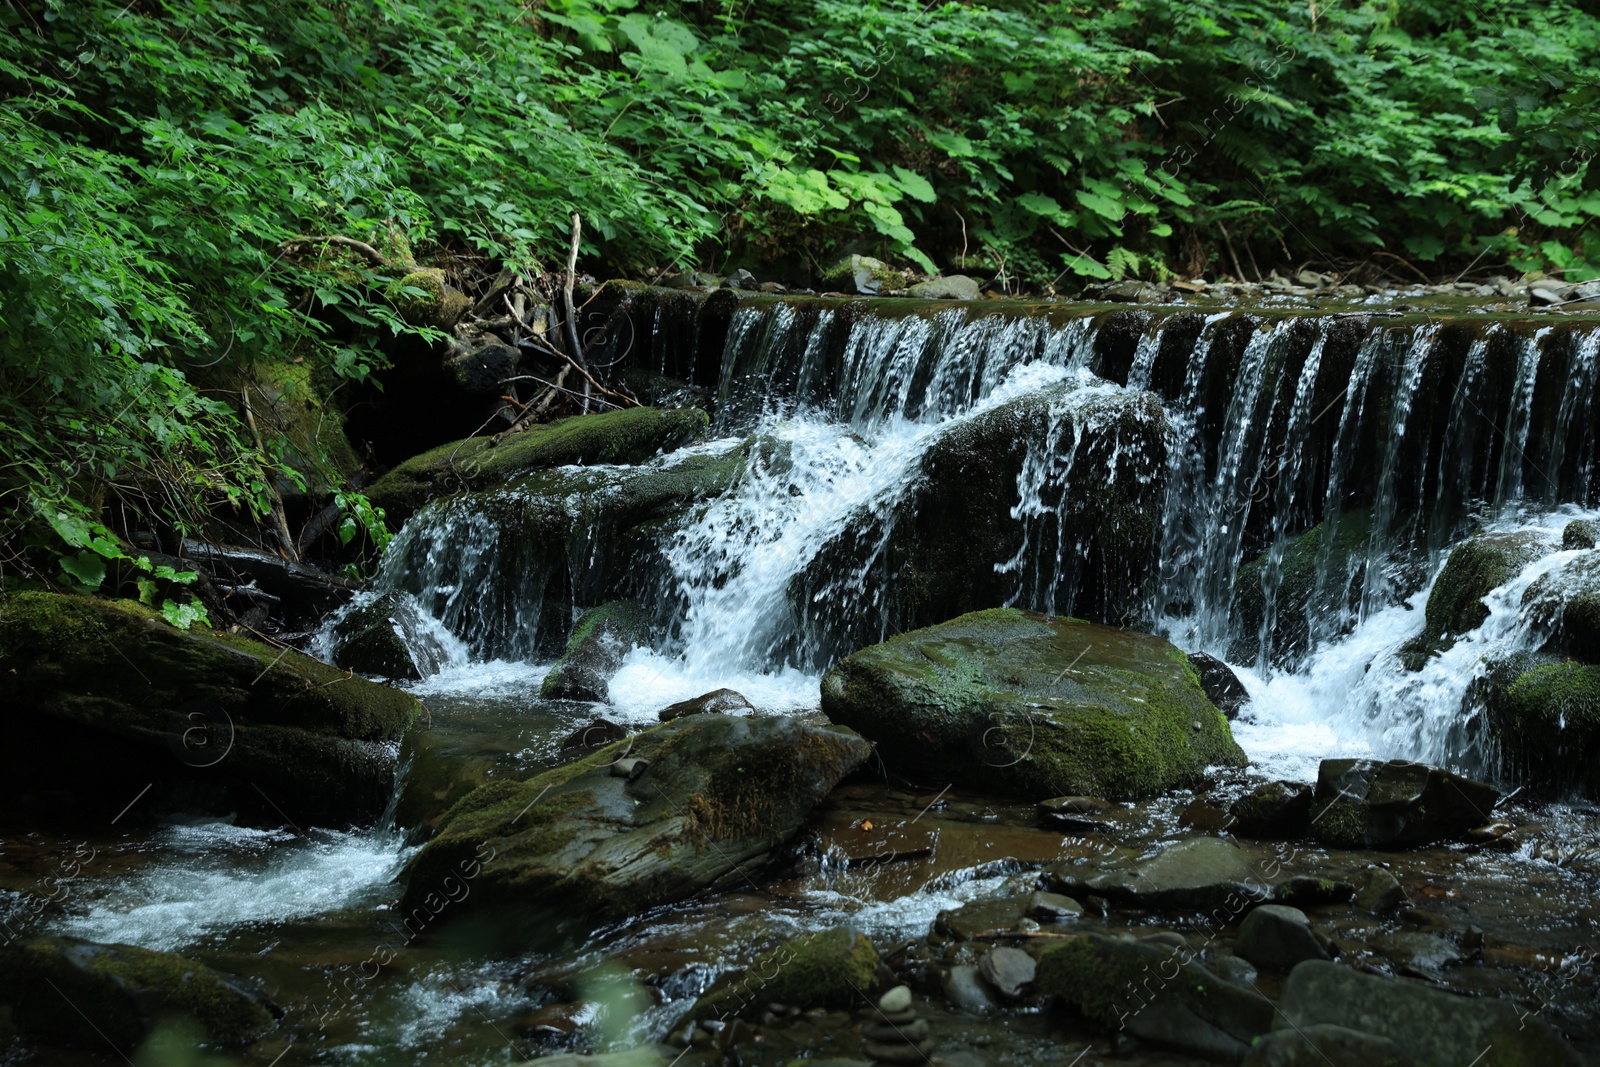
(566, 307)
(1227, 243)
(1408, 263)
(280, 520)
(347, 242)
(536, 343)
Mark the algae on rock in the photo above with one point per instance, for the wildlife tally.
(1033, 706)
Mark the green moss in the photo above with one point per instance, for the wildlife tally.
(632, 435)
(1546, 723)
(440, 306)
(288, 404)
(1475, 567)
(830, 969)
(1580, 533)
(842, 274)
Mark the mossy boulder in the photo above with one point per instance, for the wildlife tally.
(1565, 602)
(712, 798)
(437, 304)
(1094, 464)
(1580, 533)
(1276, 593)
(1545, 725)
(103, 698)
(503, 567)
(600, 640)
(1033, 706)
(1395, 804)
(1154, 992)
(865, 275)
(830, 969)
(631, 435)
(1475, 567)
(58, 986)
(289, 406)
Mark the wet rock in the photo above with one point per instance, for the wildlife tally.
(1420, 954)
(966, 991)
(1222, 687)
(951, 287)
(386, 638)
(864, 275)
(55, 986)
(722, 792)
(829, 969)
(599, 642)
(1052, 907)
(1276, 937)
(1380, 892)
(1204, 816)
(1580, 533)
(1234, 969)
(896, 1035)
(716, 702)
(1154, 993)
(629, 768)
(741, 279)
(594, 734)
(1320, 569)
(934, 554)
(628, 436)
(1325, 1045)
(1036, 706)
(1398, 804)
(1073, 813)
(1545, 720)
(480, 367)
(1566, 602)
(1475, 567)
(1274, 811)
(1428, 1025)
(976, 917)
(1009, 970)
(209, 722)
(1203, 874)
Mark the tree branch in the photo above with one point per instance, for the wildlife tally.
(346, 242)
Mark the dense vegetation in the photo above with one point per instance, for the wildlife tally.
(168, 171)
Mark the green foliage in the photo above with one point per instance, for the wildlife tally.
(167, 172)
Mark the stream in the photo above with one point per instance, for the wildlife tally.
(1427, 429)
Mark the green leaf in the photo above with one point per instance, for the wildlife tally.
(87, 568)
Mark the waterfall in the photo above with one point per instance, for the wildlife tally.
(1306, 477)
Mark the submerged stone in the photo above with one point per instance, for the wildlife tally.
(1274, 810)
(1033, 706)
(720, 794)
(55, 986)
(1201, 874)
(106, 698)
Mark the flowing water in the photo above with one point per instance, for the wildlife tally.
(1418, 431)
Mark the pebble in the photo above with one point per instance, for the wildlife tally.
(895, 1001)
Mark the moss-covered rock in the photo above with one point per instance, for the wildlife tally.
(599, 641)
(103, 698)
(1155, 993)
(1545, 724)
(716, 795)
(1395, 804)
(1034, 706)
(556, 538)
(632, 435)
(830, 969)
(54, 984)
(1319, 569)
(288, 405)
(1093, 462)
(1475, 567)
(438, 305)
(1566, 603)
(864, 274)
(1580, 533)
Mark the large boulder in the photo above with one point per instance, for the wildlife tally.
(55, 986)
(1084, 466)
(1473, 569)
(1154, 992)
(664, 814)
(1033, 706)
(385, 637)
(1395, 804)
(1428, 1025)
(1566, 603)
(631, 435)
(105, 698)
(601, 639)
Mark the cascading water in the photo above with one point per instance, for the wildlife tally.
(1386, 439)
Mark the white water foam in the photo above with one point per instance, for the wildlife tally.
(214, 877)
